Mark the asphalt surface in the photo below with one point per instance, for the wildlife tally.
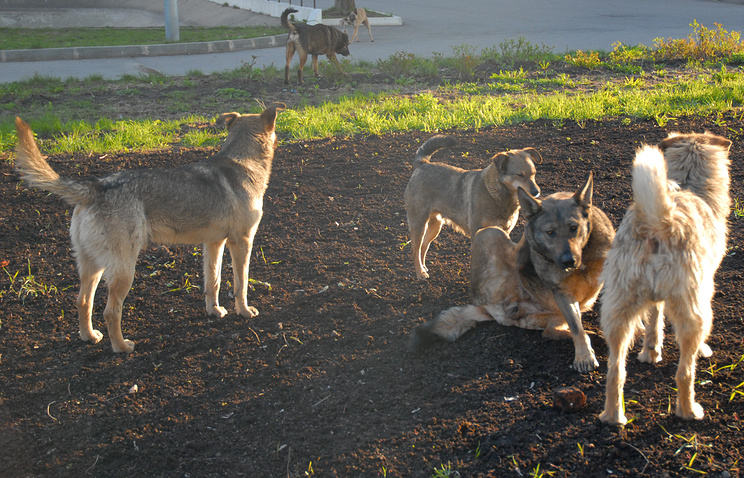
(429, 27)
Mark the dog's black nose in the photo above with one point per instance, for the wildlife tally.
(568, 261)
(535, 192)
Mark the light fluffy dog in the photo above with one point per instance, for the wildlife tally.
(215, 202)
(439, 194)
(663, 258)
(355, 19)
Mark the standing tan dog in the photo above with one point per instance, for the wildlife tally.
(544, 282)
(355, 19)
(439, 194)
(666, 252)
(312, 40)
(214, 202)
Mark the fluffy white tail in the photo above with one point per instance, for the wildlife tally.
(651, 187)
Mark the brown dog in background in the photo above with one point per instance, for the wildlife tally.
(439, 194)
(355, 19)
(215, 202)
(312, 40)
(664, 259)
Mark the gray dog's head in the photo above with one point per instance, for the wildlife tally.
(558, 227)
(342, 45)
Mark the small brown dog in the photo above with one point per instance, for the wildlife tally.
(215, 202)
(544, 282)
(312, 40)
(355, 19)
(664, 258)
(439, 194)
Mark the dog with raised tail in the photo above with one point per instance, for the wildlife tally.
(216, 202)
(663, 261)
(439, 194)
(312, 40)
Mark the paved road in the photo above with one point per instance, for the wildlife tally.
(435, 26)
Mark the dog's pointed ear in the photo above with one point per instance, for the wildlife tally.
(226, 119)
(501, 161)
(269, 115)
(529, 204)
(719, 141)
(669, 141)
(535, 155)
(584, 195)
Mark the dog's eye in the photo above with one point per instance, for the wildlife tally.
(550, 233)
(574, 228)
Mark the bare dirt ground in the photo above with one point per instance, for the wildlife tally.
(320, 383)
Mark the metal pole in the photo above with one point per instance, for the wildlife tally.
(171, 20)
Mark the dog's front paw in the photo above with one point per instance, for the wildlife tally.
(586, 362)
(650, 355)
(248, 312)
(422, 273)
(705, 350)
(126, 346)
(613, 417)
(695, 412)
(217, 311)
(93, 336)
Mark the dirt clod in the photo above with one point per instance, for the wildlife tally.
(568, 399)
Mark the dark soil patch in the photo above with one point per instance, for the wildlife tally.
(320, 382)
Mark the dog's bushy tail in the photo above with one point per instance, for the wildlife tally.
(431, 146)
(651, 188)
(36, 171)
(448, 325)
(285, 18)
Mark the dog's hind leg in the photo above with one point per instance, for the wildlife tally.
(240, 252)
(431, 231)
(419, 230)
(692, 321)
(315, 66)
(619, 323)
(119, 284)
(303, 60)
(290, 54)
(212, 276)
(369, 29)
(556, 328)
(90, 276)
(653, 337)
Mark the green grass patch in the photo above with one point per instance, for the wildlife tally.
(32, 38)
(385, 113)
(479, 89)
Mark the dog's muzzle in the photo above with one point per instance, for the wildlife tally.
(567, 261)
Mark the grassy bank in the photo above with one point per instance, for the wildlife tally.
(515, 81)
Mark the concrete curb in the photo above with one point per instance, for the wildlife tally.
(128, 51)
